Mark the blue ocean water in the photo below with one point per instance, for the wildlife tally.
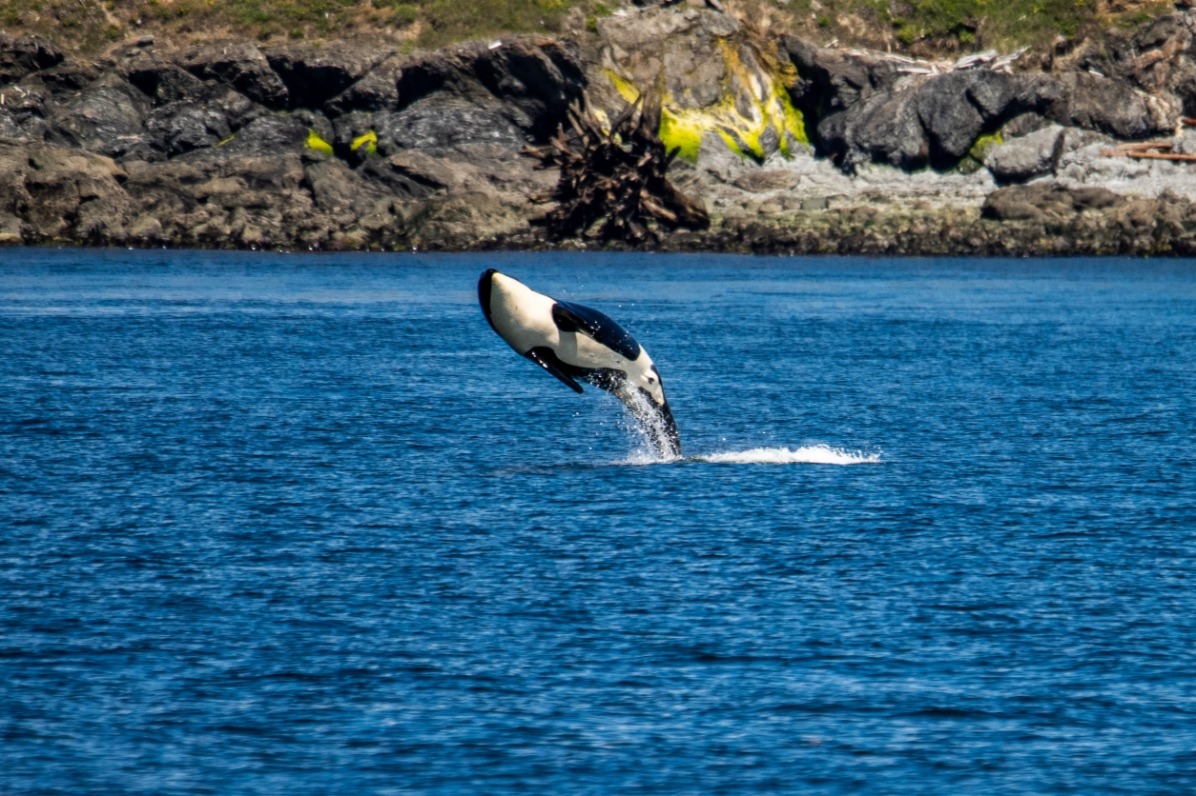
(304, 524)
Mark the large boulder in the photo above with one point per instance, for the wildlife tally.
(884, 128)
(108, 117)
(1025, 157)
(1113, 107)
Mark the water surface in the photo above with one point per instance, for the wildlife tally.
(305, 524)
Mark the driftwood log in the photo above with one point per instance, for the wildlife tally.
(612, 182)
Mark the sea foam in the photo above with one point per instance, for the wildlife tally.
(807, 454)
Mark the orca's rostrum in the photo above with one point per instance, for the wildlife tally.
(574, 342)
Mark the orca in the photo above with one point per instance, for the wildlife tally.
(574, 342)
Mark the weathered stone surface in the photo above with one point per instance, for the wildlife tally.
(222, 145)
(176, 131)
(835, 80)
(239, 65)
(377, 90)
(1112, 107)
(1042, 201)
(315, 75)
(853, 95)
(165, 82)
(1026, 157)
(107, 117)
(439, 124)
(1159, 58)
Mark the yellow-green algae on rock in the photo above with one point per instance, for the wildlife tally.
(317, 144)
(768, 108)
(368, 140)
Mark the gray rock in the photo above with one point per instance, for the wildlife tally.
(377, 90)
(164, 82)
(183, 127)
(952, 123)
(538, 81)
(438, 125)
(240, 65)
(272, 132)
(1043, 201)
(834, 79)
(107, 117)
(1026, 157)
(884, 128)
(314, 75)
(1112, 107)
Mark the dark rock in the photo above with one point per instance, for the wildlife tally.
(1111, 107)
(183, 127)
(107, 117)
(437, 125)
(952, 123)
(165, 82)
(1024, 124)
(315, 75)
(22, 115)
(1159, 58)
(339, 191)
(870, 111)
(834, 80)
(884, 128)
(241, 66)
(432, 74)
(407, 175)
(1042, 201)
(541, 82)
(377, 90)
(271, 132)
(531, 84)
(22, 56)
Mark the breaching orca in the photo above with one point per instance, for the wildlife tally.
(574, 342)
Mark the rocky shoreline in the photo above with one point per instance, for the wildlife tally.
(790, 147)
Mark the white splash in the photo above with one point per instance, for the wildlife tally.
(807, 454)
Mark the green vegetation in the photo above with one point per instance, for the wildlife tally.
(934, 27)
(924, 27)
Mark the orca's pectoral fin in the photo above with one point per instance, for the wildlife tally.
(547, 360)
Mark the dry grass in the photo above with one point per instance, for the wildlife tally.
(918, 26)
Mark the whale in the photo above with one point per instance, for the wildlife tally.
(578, 343)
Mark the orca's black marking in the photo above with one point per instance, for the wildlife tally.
(603, 378)
(546, 358)
(484, 295)
(570, 317)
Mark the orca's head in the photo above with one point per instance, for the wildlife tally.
(520, 315)
(642, 392)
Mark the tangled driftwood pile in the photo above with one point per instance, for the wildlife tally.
(613, 184)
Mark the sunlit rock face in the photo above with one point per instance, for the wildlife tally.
(722, 89)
